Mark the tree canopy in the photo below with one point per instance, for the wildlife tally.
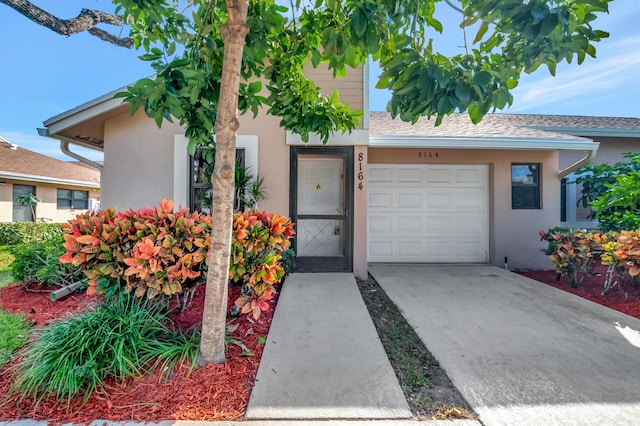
(511, 37)
(215, 58)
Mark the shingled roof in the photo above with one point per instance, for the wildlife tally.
(522, 126)
(23, 164)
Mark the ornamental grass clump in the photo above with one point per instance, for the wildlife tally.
(123, 338)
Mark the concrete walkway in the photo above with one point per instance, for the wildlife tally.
(323, 358)
(521, 352)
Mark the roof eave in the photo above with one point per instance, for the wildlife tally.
(83, 112)
(481, 143)
(591, 131)
(45, 179)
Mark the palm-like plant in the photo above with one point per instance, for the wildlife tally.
(28, 200)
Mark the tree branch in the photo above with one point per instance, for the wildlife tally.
(85, 21)
(453, 6)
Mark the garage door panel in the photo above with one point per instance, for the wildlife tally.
(380, 224)
(443, 217)
(438, 199)
(409, 199)
(472, 226)
(381, 249)
(407, 225)
(470, 199)
(436, 225)
(470, 177)
(409, 175)
(409, 248)
(436, 175)
(380, 199)
(380, 174)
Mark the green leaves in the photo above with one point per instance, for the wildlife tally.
(512, 37)
(121, 339)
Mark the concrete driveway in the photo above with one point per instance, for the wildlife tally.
(521, 352)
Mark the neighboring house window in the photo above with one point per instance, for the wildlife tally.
(525, 185)
(22, 213)
(71, 199)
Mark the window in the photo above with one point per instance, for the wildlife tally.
(200, 183)
(525, 185)
(71, 199)
(23, 213)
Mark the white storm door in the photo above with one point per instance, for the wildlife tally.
(320, 199)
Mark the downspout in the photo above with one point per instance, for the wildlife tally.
(64, 147)
(591, 155)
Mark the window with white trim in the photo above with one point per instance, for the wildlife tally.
(72, 199)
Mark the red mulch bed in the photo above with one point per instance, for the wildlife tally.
(213, 392)
(625, 297)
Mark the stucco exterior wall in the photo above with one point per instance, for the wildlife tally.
(610, 151)
(6, 202)
(513, 233)
(138, 162)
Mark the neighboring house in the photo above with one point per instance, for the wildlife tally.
(388, 192)
(64, 188)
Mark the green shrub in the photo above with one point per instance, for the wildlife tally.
(13, 233)
(257, 243)
(6, 259)
(158, 251)
(14, 330)
(570, 251)
(40, 262)
(619, 207)
(122, 338)
(147, 251)
(612, 192)
(289, 261)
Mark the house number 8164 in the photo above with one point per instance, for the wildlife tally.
(360, 172)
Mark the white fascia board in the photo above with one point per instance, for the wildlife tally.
(587, 131)
(83, 112)
(480, 143)
(356, 137)
(45, 179)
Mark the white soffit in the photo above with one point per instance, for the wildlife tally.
(356, 137)
(480, 143)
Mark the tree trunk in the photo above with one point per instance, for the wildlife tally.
(214, 317)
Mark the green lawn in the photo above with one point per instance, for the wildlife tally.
(13, 328)
(5, 271)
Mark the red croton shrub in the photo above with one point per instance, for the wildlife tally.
(160, 251)
(258, 241)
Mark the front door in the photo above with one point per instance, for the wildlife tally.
(321, 207)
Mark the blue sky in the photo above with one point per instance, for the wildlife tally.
(44, 74)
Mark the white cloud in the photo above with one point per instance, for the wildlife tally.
(47, 146)
(615, 70)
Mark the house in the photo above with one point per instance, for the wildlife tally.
(387, 192)
(63, 188)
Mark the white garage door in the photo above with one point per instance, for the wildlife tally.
(428, 213)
